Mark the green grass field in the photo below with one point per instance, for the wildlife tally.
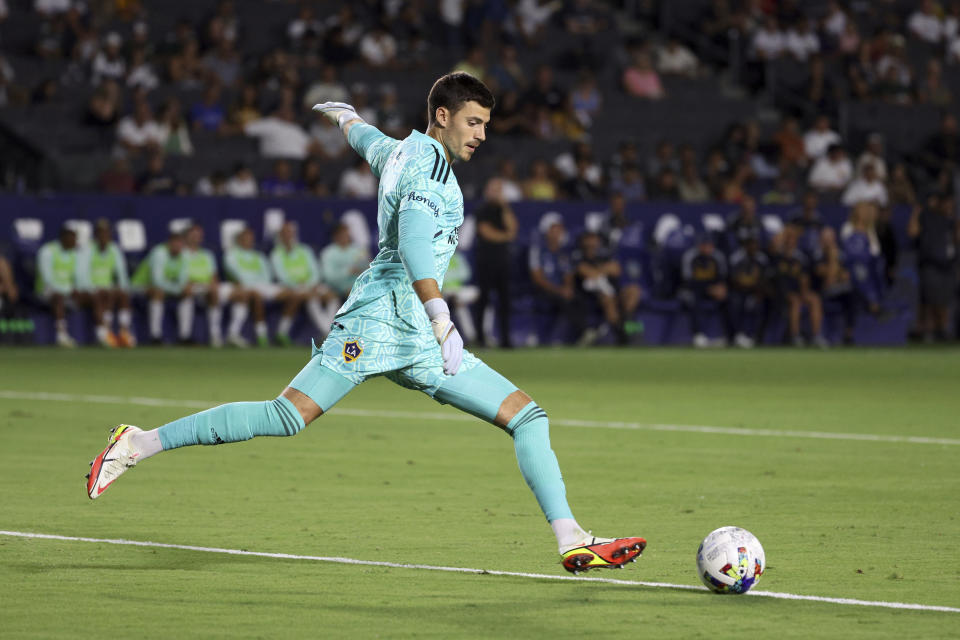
(843, 518)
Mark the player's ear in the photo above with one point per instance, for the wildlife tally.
(442, 116)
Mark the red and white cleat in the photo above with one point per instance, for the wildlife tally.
(112, 461)
(608, 553)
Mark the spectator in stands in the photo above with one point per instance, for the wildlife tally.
(630, 185)
(298, 276)
(507, 73)
(626, 153)
(327, 88)
(801, 41)
(862, 255)
(936, 233)
(792, 269)
(341, 261)
(140, 133)
(280, 135)
(174, 130)
(875, 155)
(245, 109)
(866, 188)
(640, 79)
(595, 274)
(832, 172)
(157, 179)
(792, 153)
(117, 178)
(242, 183)
(253, 287)
(809, 225)
(768, 41)
(209, 114)
(202, 284)
(496, 233)
(223, 25)
(545, 92)
(942, 148)
(161, 274)
(460, 295)
(357, 181)
(665, 157)
(665, 186)
(390, 115)
(744, 224)
(704, 272)
(583, 185)
(224, 63)
(103, 109)
(567, 162)
(925, 24)
(736, 185)
(57, 280)
(585, 99)
(185, 69)
(109, 63)
(213, 185)
(305, 23)
(833, 277)
(9, 292)
(932, 89)
(893, 67)
(901, 189)
(750, 292)
(716, 174)
(820, 138)
(894, 87)
(675, 59)
(281, 184)
(531, 16)
(690, 186)
(378, 49)
(540, 185)
(141, 73)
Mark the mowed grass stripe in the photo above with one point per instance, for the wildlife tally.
(10, 394)
(472, 571)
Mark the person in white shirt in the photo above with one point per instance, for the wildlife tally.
(109, 63)
(925, 24)
(280, 135)
(51, 7)
(832, 172)
(139, 132)
(819, 138)
(242, 184)
(358, 181)
(768, 41)
(835, 20)
(327, 89)
(676, 59)
(801, 42)
(378, 48)
(867, 188)
(874, 155)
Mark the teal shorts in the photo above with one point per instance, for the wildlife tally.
(359, 348)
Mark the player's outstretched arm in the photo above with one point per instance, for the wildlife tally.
(371, 143)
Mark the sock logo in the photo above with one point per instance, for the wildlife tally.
(352, 350)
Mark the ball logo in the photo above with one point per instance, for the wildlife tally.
(352, 350)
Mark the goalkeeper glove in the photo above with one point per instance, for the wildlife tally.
(339, 113)
(451, 344)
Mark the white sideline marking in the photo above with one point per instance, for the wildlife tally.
(514, 574)
(447, 417)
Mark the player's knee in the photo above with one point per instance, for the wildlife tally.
(288, 416)
(529, 419)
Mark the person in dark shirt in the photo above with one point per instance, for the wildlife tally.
(745, 223)
(624, 239)
(596, 273)
(496, 231)
(157, 179)
(833, 280)
(551, 270)
(935, 231)
(705, 281)
(792, 272)
(749, 292)
(809, 224)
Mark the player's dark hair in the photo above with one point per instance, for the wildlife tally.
(455, 90)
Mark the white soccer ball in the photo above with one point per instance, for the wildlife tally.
(730, 560)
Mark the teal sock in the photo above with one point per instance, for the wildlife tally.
(530, 431)
(233, 422)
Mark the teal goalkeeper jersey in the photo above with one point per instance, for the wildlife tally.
(416, 182)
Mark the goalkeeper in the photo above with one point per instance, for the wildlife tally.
(395, 323)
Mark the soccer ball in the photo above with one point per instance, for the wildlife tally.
(730, 560)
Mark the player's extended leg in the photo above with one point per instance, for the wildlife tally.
(483, 392)
(314, 390)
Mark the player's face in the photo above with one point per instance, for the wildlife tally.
(466, 130)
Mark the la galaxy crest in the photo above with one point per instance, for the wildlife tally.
(352, 349)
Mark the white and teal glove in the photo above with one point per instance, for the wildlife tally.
(451, 344)
(339, 113)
